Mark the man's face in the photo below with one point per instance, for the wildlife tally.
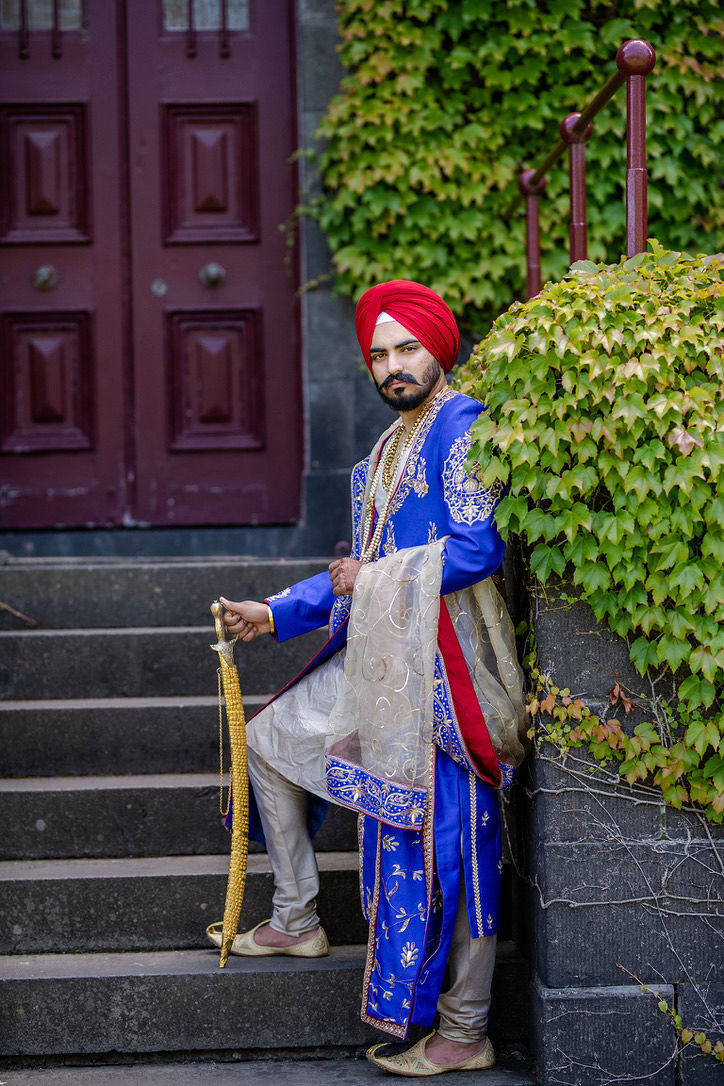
(404, 372)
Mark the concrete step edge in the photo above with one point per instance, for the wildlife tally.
(104, 631)
(111, 782)
(102, 563)
(145, 963)
(291, 1070)
(56, 705)
(153, 867)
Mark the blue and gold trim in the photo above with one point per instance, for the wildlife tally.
(390, 802)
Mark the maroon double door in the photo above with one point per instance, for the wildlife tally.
(150, 356)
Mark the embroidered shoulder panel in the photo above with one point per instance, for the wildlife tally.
(464, 494)
(391, 803)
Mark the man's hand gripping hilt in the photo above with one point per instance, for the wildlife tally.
(224, 648)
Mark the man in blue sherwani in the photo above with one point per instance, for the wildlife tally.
(412, 712)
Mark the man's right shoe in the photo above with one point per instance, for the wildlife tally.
(246, 946)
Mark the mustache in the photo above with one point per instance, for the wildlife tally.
(407, 377)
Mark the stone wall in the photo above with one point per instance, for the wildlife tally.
(614, 876)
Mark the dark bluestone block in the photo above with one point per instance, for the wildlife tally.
(602, 1035)
(617, 877)
(701, 1007)
(179, 1001)
(638, 903)
(57, 906)
(576, 799)
(146, 815)
(128, 662)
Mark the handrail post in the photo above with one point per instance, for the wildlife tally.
(532, 230)
(636, 59)
(576, 140)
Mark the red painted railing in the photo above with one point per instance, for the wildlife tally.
(634, 60)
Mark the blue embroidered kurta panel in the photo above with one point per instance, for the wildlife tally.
(410, 880)
(412, 910)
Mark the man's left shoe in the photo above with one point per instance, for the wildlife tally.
(246, 946)
(415, 1064)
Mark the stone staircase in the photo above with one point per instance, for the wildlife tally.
(113, 859)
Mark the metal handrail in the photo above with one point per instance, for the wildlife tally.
(634, 61)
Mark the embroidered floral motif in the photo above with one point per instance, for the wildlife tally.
(409, 955)
(432, 532)
(485, 818)
(390, 843)
(394, 804)
(279, 595)
(506, 772)
(465, 496)
(490, 920)
(419, 482)
(390, 547)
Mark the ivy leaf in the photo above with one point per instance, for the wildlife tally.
(545, 560)
(714, 768)
(644, 654)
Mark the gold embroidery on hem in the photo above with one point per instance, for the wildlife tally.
(360, 853)
(371, 948)
(474, 841)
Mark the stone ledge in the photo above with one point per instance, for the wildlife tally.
(601, 1035)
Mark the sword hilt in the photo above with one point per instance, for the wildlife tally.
(224, 648)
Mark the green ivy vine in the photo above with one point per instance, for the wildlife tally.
(606, 423)
(447, 100)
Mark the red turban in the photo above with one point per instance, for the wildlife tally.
(418, 309)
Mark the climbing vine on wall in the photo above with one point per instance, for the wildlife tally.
(606, 422)
(447, 100)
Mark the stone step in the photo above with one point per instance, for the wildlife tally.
(60, 593)
(352, 1070)
(171, 814)
(170, 1001)
(112, 735)
(53, 906)
(166, 661)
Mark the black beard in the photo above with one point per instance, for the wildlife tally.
(408, 401)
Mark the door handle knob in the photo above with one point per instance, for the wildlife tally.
(45, 277)
(212, 275)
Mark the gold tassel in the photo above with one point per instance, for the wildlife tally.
(236, 723)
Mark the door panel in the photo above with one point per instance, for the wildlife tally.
(218, 434)
(62, 417)
(149, 367)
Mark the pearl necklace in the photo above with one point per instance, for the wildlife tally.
(384, 470)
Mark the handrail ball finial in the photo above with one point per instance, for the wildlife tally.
(636, 57)
(567, 129)
(525, 186)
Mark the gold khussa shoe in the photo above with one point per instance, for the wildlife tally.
(415, 1064)
(245, 945)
